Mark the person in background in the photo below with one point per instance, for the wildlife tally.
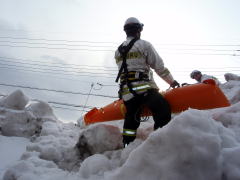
(200, 78)
(135, 58)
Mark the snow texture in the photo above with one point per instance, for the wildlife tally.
(196, 144)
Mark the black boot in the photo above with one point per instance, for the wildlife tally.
(127, 140)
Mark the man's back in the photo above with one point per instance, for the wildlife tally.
(205, 77)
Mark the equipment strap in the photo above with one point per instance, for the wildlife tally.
(123, 50)
(134, 76)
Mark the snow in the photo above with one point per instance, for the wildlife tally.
(196, 144)
(11, 148)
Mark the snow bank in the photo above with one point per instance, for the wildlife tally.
(230, 76)
(17, 119)
(98, 139)
(189, 147)
(16, 100)
(11, 149)
(194, 145)
(232, 88)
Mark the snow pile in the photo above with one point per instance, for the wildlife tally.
(11, 148)
(232, 90)
(18, 119)
(231, 77)
(189, 147)
(195, 145)
(98, 139)
(17, 100)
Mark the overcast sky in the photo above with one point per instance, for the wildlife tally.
(43, 41)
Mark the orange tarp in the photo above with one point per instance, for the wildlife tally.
(201, 96)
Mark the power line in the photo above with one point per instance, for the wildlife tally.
(72, 66)
(83, 75)
(85, 45)
(67, 104)
(202, 54)
(211, 71)
(56, 40)
(95, 79)
(61, 44)
(233, 69)
(59, 48)
(182, 49)
(54, 90)
(200, 45)
(71, 109)
(108, 42)
(104, 46)
(110, 50)
(65, 64)
(58, 70)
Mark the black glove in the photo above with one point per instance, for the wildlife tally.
(175, 84)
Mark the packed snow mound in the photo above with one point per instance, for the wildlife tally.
(16, 100)
(20, 123)
(56, 143)
(42, 110)
(230, 76)
(232, 88)
(17, 119)
(188, 146)
(98, 139)
(192, 146)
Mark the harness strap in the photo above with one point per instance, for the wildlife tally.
(123, 51)
(134, 76)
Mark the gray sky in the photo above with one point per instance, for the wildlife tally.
(49, 36)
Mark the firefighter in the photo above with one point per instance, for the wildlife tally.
(200, 78)
(135, 58)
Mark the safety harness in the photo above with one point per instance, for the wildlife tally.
(125, 76)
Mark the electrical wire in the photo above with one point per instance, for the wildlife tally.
(50, 44)
(108, 42)
(80, 67)
(56, 48)
(82, 75)
(86, 45)
(61, 40)
(234, 51)
(71, 109)
(64, 72)
(64, 66)
(58, 91)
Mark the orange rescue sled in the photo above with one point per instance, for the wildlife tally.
(200, 96)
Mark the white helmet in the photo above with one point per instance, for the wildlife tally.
(132, 24)
(132, 20)
(195, 72)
